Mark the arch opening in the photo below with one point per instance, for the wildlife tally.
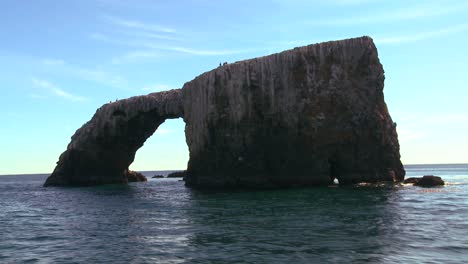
(166, 149)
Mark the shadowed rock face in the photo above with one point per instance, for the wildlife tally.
(103, 148)
(300, 117)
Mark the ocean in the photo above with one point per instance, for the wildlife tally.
(162, 221)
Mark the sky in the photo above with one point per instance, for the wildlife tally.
(61, 60)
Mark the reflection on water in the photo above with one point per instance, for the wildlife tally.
(162, 221)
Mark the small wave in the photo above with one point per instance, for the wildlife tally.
(456, 183)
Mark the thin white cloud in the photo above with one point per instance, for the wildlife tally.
(150, 50)
(351, 2)
(99, 36)
(133, 24)
(42, 83)
(422, 36)
(199, 52)
(135, 56)
(327, 2)
(56, 90)
(156, 88)
(61, 93)
(52, 62)
(94, 75)
(418, 12)
(203, 52)
(150, 35)
(102, 77)
(37, 96)
(148, 41)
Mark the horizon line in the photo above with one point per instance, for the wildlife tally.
(45, 173)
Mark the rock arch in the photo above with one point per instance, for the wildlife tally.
(299, 117)
(101, 151)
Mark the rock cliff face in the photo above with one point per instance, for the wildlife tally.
(300, 117)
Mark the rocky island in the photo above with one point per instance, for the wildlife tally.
(301, 117)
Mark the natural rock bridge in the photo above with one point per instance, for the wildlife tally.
(300, 117)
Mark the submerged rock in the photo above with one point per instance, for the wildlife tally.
(157, 176)
(429, 181)
(305, 116)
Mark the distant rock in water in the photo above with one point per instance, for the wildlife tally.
(301, 117)
(133, 176)
(177, 174)
(429, 181)
(157, 176)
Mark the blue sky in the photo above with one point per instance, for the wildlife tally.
(61, 60)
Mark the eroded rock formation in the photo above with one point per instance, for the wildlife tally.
(177, 174)
(300, 117)
(103, 148)
(134, 176)
(426, 181)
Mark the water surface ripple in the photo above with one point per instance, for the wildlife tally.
(161, 221)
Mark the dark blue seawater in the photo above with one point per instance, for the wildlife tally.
(161, 221)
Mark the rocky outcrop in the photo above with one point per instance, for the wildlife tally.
(425, 181)
(300, 117)
(429, 181)
(134, 176)
(177, 174)
(103, 148)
